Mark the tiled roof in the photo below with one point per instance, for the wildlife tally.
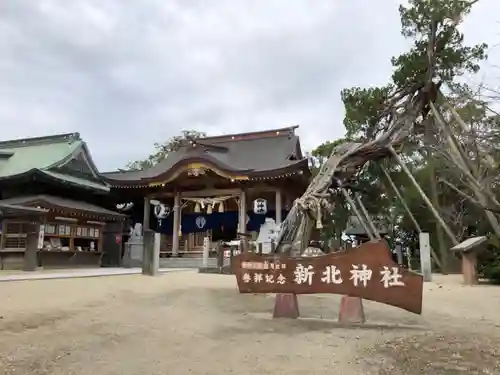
(22, 155)
(53, 202)
(77, 180)
(7, 210)
(249, 153)
(41, 155)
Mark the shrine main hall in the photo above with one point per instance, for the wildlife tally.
(215, 187)
(58, 210)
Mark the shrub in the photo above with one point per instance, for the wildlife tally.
(489, 264)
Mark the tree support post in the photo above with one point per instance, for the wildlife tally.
(367, 216)
(407, 209)
(424, 197)
(351, 308)
(358, 214)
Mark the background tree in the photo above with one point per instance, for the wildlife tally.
(162, 149)
(423, 21)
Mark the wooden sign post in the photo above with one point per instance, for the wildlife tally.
(367, 272)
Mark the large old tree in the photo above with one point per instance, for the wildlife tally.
(425, 23)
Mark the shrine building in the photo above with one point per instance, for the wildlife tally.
(52, 194)
(216, 187)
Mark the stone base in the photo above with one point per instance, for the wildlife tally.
(216, 270)
(286, 306)
(351, 310)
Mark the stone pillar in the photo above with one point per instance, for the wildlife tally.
(155, 261)
(220, 258)
(399, 254)
(425, 256)
(147, 214)
(127, 255)
(31, 253)
(206, 249)
(177, 224)
(277, 207)
(151, 251)
(242, 221)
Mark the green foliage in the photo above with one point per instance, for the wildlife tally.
(162, 149)
(320, 154)
(363, 108)
(489, 264)
(452, 57)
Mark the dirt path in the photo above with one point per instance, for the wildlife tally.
(186, 323)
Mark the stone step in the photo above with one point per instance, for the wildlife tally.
(188, 262)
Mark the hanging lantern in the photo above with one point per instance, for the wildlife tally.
(161, 211)
(221, 207)
(180, 231)
(197, 207)
(209, 209)
(124, 206)
(260, 206)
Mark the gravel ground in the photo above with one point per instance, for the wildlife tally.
(189, 323)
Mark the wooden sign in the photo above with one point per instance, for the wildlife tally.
(367, 271)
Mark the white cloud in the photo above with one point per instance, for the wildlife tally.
(128, 74)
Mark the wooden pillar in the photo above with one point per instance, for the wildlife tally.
(367, 216)
(469, 268)
(408, 211)
(357, 213)
(426, 199)
(242, 220)
(277, 206)
(147, 214)
(177, 224)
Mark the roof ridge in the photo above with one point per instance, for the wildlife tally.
(57, 138)
(233, 136)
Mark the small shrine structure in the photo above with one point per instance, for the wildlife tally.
(51, 190)
(217, 187)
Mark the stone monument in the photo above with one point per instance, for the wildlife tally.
(135, 246)
(267, 235)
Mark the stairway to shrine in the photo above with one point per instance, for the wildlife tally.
(188, 262)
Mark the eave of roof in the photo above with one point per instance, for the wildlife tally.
(59, 177)
(298, 168)
(54, 203)
(256, 155)
(73, 180)
(9, 210)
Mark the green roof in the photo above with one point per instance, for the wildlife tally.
(77, 180)
(44, 155)
(36, 153)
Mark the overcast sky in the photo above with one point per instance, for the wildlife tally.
(126, 74)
